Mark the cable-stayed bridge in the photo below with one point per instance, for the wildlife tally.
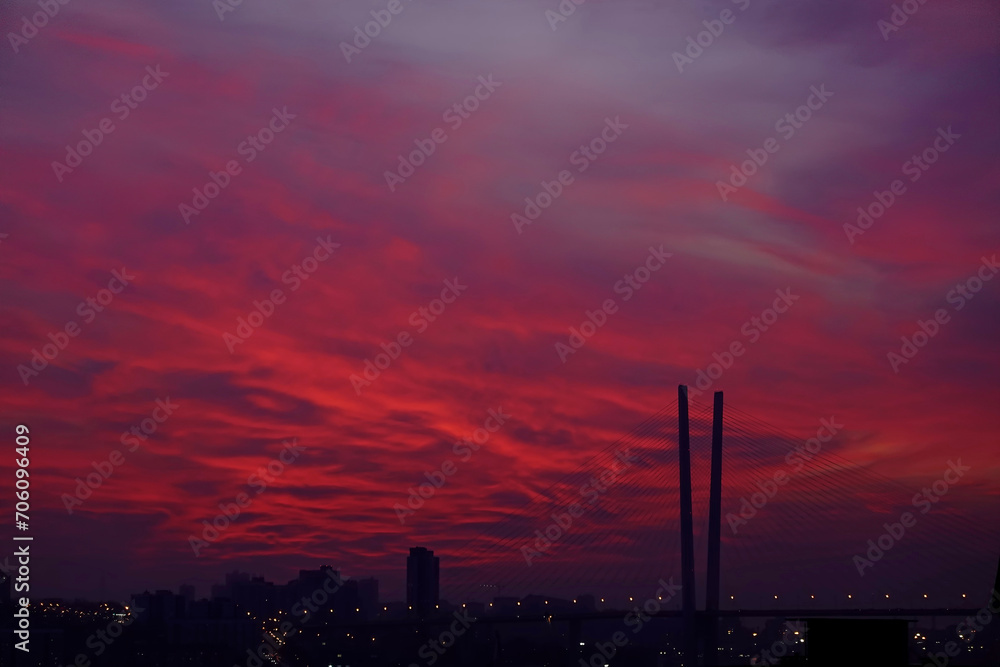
(705, 513)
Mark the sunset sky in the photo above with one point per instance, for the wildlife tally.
(319, 190)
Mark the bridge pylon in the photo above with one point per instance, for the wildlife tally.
(690, 642)
(695, 630)
(714, 538)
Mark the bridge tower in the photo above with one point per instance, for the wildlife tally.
(690, 641)
(714, 538)
(710, 629)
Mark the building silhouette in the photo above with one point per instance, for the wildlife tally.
(368, 596)
(422, 570)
